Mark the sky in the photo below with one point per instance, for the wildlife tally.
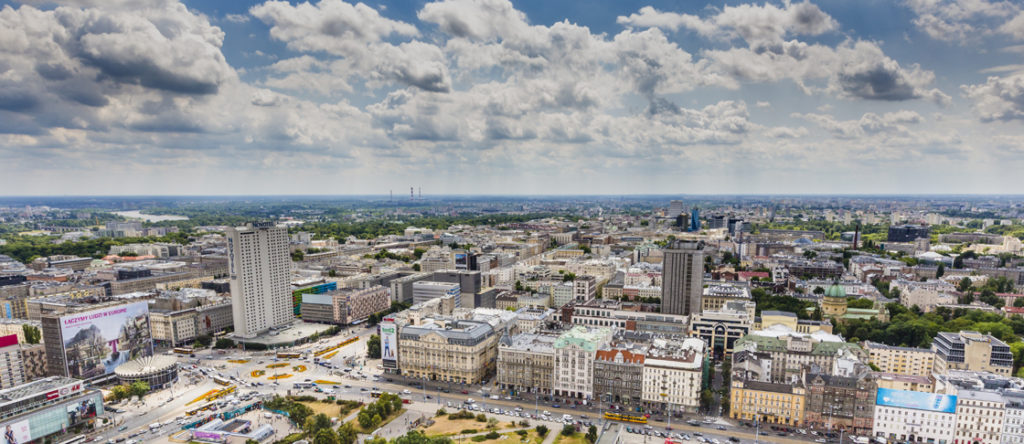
(141, 97)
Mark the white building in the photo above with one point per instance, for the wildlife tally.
(979, 417)
(259, 265)
(424, 291)
(673, 372)
(574, 361)
(1013, 418)
(903, 415)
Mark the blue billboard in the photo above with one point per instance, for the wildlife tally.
(916, 400)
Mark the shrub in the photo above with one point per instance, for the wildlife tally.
(492, 435)
(468, 431)
(524, 423)
(542, 430)
(461, 414)
(568, 430)
(440, 412)
(478, 438)
(521, 432)
(481, 417)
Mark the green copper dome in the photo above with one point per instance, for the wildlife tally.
(835, 291)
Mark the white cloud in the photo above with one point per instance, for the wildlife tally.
(753, 23)
(999, 98)
(961, 20)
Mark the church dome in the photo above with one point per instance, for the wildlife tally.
(835, 291)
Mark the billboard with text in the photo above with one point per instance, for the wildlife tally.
(389, 341)
(97, 341)
(916, 400)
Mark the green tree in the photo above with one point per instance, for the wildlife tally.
(316, 423)
(568, 430)
(542, 430)
(965, 284)
(298, 256)
(32, 334)
(347, 434)
(373, 347)
(120, 392)
(223, 343)
(1018, 302)
(138, 388)
(204, 340)
(819, 290)
(325, 436)
(592, 434)
(940, 271)
(299, 412)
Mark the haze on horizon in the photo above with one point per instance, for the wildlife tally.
(492, 97)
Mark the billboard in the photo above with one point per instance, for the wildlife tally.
(17, 432)
(97, 341)
(916, 400)
(81, 410)
(461, 261)
(388, 341)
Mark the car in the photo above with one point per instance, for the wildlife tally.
(406, 392)
(721, 427)
(556, 406)
(465, 392)
(821, 440)
(734, 439)
(122, 428)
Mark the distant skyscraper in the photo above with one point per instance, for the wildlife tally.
(695, 219)
(675, 208)
(259, 264)
(682, 282)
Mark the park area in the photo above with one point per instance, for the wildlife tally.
(445, 425)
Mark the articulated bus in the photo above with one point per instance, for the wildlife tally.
(221, 381)
(627, 417)
(375, 394)
(202, 408)
(75, 440)
(183, 350)
(288, 355)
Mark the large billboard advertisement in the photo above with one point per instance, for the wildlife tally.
(17, 432)
(916, 400)
(461, 261)
(96, 342)
(389, 341)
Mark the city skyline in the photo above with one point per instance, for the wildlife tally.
(491, 97)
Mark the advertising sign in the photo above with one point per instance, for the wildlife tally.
(916, 400)
(388, 341)
(461, 261)
(81, 410)
(96, 342)
(207, 436)
(17, 432)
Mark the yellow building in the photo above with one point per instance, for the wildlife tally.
(900, 360)
(768, 402)
(913, 383)
(833, 304)
(769, 318)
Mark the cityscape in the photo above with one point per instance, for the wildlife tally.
(511, 222)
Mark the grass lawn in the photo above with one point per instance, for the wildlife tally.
(444, 426)
(328, 408)
(512, 438)
(576, 438)
(386, 421)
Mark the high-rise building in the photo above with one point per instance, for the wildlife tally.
(695, 219)
(675, 208)
(682, 278)
(259, 265)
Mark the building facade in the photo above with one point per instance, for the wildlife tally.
(259, 265)
(456, 351)
(619, 375)
(970, 350)
(682, 278)
(914, 417)
(674, 375)
(979, 417)
(767, 402)
(526, 363)
(840, 403)
(900, 360)
(351, 306)
(574, 361)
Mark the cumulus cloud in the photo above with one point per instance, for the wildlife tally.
(753, 23)
(868, 124)
(963, 20)
(999, 98)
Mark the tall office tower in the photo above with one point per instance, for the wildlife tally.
(675, 208)
(682, 282)
(695, 219)
(259, 264)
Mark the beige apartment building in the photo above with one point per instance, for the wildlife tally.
(900, 360)
(970, 350)
(912, 383)
(526, 363)
(458, 351)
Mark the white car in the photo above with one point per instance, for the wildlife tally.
(406, 392)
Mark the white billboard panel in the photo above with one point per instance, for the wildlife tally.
(97, 341)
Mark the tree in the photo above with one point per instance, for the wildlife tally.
(325, 436)
(819, 290)
(204, 340)
(965, 284)
(568, 430)
(32, 334)
(138, 388)
(592, 434)
(706, 398)
(492, 422)
(299, 412)
(347, 434)
(120, 392)
(542, 430)
(373, 347)
(317, 423)
(1019, 302)
(223, 343)
(416, 267)
(940, 271)
(298, 256)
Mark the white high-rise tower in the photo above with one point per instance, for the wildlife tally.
(259, 264)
